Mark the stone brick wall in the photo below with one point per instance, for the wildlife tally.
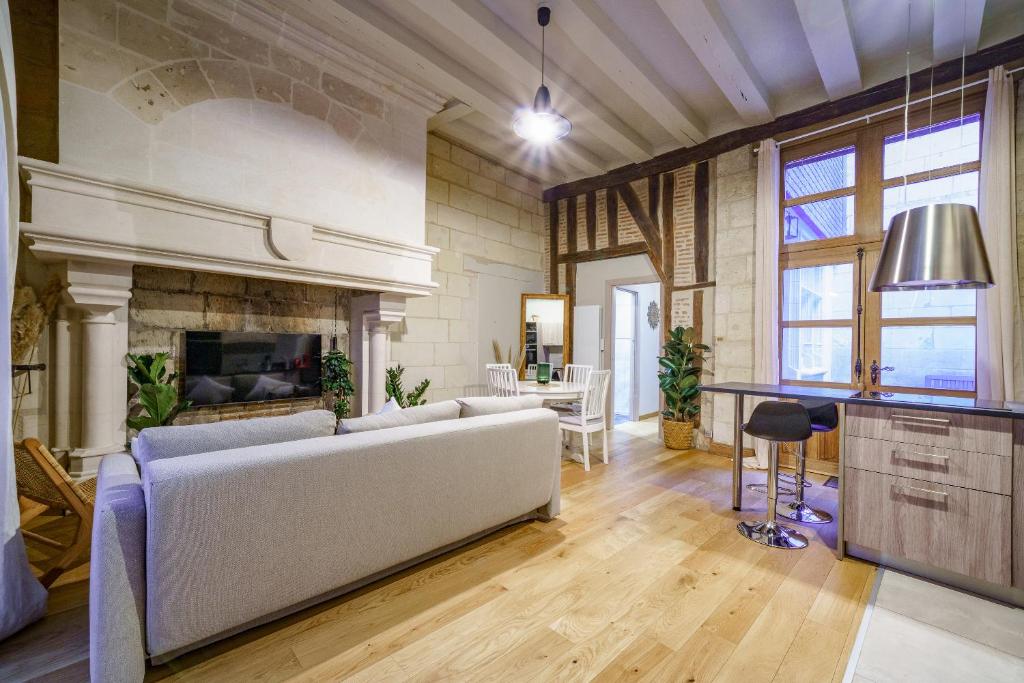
(484, 218)
(735, 179)
(167, 302)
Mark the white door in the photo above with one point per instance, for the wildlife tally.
(624, 354)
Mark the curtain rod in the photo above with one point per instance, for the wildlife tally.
(867, 117)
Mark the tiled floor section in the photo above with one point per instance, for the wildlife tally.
(922, 631)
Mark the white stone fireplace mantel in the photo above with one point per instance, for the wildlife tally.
(79, 215)
(94, 228)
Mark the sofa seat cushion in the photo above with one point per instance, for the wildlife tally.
(474, 406)
(431, 412)
(156, 443)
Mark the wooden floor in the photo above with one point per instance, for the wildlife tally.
(642, 577)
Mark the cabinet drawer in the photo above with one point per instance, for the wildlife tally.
(977, 433)
(980, 471)
(957, 529)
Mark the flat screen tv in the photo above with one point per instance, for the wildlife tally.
(243, 367)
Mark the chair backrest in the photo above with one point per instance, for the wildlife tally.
(595, 394)
(577, 374)
(502, 381)
(491, 366)
(42, 479)
(531, 371)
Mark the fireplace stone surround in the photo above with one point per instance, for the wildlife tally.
(112, 239)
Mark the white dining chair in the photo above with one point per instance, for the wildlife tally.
(574, 374)
(577, 374)
(502, 381)
(531, 371)
(590, 417)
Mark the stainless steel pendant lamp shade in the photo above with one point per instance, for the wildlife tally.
(938, 246)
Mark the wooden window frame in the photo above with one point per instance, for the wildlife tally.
(868, 139)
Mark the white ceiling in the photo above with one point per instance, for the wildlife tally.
(642, 77)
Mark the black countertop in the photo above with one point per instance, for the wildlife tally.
(944, 404)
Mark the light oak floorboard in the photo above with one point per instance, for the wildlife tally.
(642, 577)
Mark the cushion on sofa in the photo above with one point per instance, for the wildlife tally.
(155, 443)
(473, 406)
(432, 412)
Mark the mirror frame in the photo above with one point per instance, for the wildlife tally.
(566, 326)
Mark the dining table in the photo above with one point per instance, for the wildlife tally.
(552, 391)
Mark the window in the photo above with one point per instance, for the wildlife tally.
(839, 194)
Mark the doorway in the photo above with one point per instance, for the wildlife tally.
(634, 349)
(624, 403)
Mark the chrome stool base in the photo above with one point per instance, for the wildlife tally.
(772, 534)
(799, 511)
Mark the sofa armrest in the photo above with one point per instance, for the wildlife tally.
(117, 581)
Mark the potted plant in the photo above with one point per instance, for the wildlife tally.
(679, 379)
(337, 381)
(157, 392)
(394, 389)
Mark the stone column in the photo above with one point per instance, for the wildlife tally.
(378, 363)
(97, 290)
(373, 317)
(61, 434)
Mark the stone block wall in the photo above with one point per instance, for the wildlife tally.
(167, 302)
(482, 216)
(735, 180)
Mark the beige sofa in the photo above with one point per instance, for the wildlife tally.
(189, 549)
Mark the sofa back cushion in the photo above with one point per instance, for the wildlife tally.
(474, 406)
(155, 443)
(431, 412)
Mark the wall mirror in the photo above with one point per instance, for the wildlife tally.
(546, 332)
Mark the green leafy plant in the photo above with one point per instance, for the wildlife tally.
(394, 389)
(336, 380)
(156, 391)
(679, 378)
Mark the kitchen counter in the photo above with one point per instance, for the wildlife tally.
(933, 485)
(945, 404)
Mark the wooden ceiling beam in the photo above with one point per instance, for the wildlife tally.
(980, 62)
(956, 28)
(607, 46)
(707, 32)
(826, 25)
(453, 111)
(487, 33)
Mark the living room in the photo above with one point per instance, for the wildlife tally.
(396, 340)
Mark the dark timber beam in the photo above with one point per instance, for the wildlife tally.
(647, 227)
(979, 62)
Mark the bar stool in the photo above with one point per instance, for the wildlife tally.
(824, 417)
(775, 423)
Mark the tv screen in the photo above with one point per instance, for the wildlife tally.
(241, 367)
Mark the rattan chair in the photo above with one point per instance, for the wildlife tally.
(41, 479)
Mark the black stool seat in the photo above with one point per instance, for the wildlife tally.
(823, 413)
(779, 421)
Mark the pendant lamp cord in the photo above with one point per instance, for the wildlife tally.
(542, 54)
(906, 110)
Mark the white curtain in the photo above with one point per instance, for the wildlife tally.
(22, 598)
(766, 276)
(998, 357)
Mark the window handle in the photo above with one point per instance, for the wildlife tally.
(876, 370)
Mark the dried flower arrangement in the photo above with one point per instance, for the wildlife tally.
(29, 315)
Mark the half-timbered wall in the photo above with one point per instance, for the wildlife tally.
(666, 217)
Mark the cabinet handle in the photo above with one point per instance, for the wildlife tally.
(902, 489)
(930, 455)
(939, 420)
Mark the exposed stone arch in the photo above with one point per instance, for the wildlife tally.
(153, 93)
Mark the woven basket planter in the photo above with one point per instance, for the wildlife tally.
(678, 435)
